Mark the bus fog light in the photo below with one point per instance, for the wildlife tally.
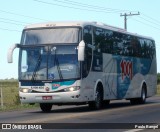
(25, 90)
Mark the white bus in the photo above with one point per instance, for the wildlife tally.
(84, 63)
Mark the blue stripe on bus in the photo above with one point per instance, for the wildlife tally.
(31, 83)
(56, 85)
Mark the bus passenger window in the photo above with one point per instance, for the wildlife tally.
(87, 37)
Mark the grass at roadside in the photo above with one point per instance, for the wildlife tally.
(18, 107)
(9, 97)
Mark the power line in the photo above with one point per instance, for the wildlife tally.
(12, 13)
(77, 8)
(88, 5)
(14, 20)
(151, 18)
(11, 23)
(149, 21)
(13, 30)
(146, 24)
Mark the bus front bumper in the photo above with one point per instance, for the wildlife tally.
(63, 97)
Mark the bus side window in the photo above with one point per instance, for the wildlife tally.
(87, 37)
(99, 39)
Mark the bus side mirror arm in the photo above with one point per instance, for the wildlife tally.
(10, 53)
(81, 50)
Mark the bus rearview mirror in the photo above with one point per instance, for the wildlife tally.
(81, 50)
(10, 53)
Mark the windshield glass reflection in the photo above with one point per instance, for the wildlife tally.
(49, 63)
(50, 36)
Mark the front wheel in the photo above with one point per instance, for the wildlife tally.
(46, 107)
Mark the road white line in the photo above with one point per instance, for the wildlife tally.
(134, 130)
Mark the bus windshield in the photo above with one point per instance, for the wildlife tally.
(50, 36)
(50, 62)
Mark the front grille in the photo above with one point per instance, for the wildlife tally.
(34, 91)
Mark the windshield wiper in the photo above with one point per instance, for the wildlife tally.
(59, 69)
(36, 68)
(56, 62)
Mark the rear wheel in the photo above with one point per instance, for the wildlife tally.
(98, 103)
(142, 99)
(46, 107)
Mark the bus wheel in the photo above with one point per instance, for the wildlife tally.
(106, 102)
(142, 99)
(46, 107)
(97, 104)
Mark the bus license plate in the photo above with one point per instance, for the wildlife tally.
(46, 97)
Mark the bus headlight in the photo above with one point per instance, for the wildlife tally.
(25, 90)
(71, 89)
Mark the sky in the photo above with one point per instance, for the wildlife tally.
(15, 15)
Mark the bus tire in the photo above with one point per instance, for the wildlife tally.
(134, 101)
(142, 99)
(106, 102)
(46, 107)
(98, 103)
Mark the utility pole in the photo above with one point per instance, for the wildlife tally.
(125, 18)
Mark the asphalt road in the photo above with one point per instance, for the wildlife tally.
(118, 114)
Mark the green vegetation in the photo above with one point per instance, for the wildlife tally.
(158, 89)
(9, 92)
(158, 78)
(9, 98)
(18, 107)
